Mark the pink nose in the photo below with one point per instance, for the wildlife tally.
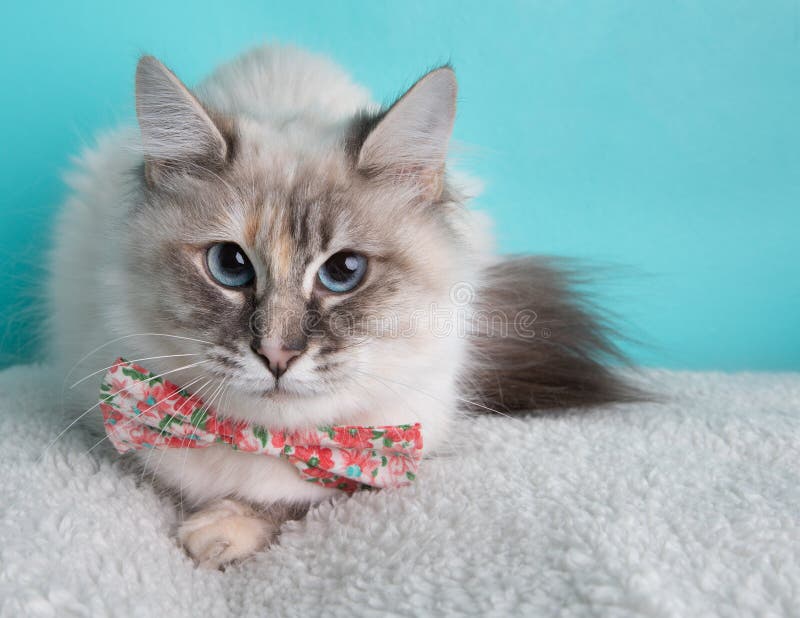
(277, 354)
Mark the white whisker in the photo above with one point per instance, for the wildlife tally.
(104, 438)
(164, 450)
(164, 429)
(73, 423)
(135, 360)
(186, 457)
(419, 390)
(108, 343)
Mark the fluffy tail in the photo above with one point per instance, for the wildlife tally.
(537, 342)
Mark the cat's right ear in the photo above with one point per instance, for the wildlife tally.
(177, 131)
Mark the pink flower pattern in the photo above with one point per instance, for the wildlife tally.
(142, 410)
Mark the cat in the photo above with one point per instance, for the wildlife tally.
(201, 240)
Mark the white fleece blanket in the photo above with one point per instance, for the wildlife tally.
(687, 508)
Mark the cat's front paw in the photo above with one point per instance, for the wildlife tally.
(223, 532)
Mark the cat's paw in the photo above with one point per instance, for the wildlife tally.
(225, 531)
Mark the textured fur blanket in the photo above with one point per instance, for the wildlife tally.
(686, 508)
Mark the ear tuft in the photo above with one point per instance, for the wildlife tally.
(176, 128)
(410, 141)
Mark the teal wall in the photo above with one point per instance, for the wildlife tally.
(660, 135)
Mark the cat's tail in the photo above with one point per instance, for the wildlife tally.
(538, 342)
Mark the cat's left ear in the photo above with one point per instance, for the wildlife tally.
(409, 142)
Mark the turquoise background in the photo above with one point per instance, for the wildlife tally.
(664, 136)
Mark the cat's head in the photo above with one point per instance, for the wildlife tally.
(304, 259)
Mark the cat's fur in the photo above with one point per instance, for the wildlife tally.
(282, 154)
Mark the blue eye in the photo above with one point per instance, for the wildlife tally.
(229, 265)
(343, 271)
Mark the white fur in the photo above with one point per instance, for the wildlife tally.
(285, 100)
(224, 531)
(677, 510)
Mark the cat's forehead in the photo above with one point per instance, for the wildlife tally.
(296, 207)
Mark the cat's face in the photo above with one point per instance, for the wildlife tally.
(300, 265)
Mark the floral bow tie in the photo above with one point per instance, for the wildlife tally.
(142, 410)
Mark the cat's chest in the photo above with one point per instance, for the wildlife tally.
(201, 475)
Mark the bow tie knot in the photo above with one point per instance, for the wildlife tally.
(142, 410)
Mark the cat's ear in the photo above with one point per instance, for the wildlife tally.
(410, 140)
(177, 131)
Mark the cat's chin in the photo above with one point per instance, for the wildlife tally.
(279, 394)
(283, 390)
(288, 391)
(296, 407)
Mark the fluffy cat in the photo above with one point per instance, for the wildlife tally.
(202, 241)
